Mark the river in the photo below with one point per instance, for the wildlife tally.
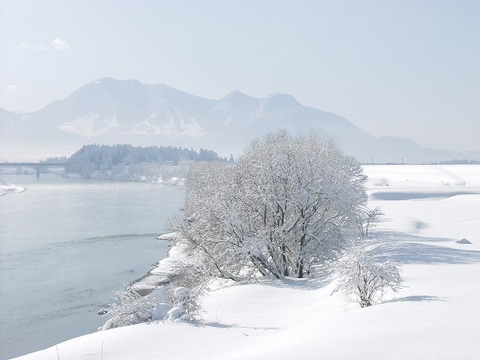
(66, 246)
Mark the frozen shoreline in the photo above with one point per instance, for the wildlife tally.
(162, 272)
(6, 188)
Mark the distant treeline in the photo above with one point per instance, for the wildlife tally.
(457, 162)
(443, 162)
(118, 161)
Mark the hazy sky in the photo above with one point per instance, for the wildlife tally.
(403, 68)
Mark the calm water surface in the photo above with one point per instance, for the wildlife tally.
(66, 245)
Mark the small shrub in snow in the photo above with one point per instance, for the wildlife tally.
(383, 182)
(367, 219)
(131, 308)
(186, 305)
(366, 281)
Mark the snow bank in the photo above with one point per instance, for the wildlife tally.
(435, 316)
(6, 188)
(162, 273)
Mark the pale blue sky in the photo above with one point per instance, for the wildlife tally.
(404, 68)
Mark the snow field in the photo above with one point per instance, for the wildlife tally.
(435, 316)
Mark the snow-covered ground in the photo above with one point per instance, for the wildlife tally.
(6, 188)
(435, 316)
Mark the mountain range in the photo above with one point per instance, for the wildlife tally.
(109, 111)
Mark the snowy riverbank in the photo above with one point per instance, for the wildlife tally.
(6, 188)
(435, 316)
(162, 272)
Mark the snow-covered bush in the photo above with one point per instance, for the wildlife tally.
(186, 305)
(131, 308)
(383, 182)
(366, 281)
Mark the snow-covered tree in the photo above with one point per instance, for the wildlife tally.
(209, 251)
(367, 219)
(365, 280)
(286, 206)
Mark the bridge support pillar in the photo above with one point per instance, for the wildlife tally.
(38, 171)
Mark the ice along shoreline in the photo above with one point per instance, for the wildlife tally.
(162, 272)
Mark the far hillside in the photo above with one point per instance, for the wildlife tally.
(135, 163)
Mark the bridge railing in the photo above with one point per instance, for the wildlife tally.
(34, 165)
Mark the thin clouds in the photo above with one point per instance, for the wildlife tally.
(57, 44)
(31, 47)
(11, 89)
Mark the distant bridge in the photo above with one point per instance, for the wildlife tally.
(34, 165)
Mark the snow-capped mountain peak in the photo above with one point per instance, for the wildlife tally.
(127, 111)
